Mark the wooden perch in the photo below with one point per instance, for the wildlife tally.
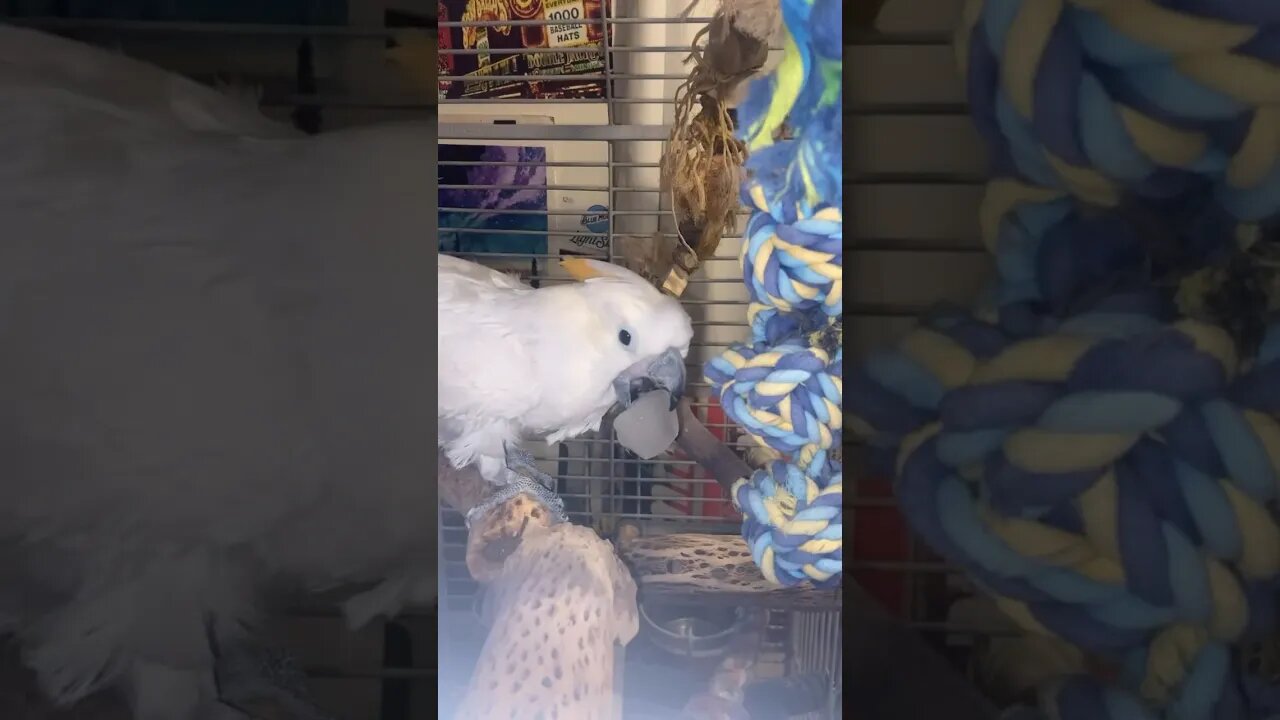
(703, 568)
(896, 674)
(557, 611)
(706, 449)
(497, 534)
(558, 603)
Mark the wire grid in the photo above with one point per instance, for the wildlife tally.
(929, 585)
(601, 484)
(816, 648)
(594, 491)
(921, 587)
(930, 590)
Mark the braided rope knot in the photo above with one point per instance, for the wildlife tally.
(1106, 470)
(791, 178)
(770, 326)
(793, 524)
(785, 387)
(1113, 483)
(794, 267)
(787, 396)
(1102, 99)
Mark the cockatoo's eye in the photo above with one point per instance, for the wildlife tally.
(624, 337)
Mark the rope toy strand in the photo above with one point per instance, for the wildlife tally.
(1112, 484)
(785, 386)
(1143, 97)
(1096, 458)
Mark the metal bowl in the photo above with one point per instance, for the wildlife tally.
(692, 631)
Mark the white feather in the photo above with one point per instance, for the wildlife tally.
(517, 362)
(211, 360)
(33, 59)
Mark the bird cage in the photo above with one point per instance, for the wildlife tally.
(317, 66)
(538, 165)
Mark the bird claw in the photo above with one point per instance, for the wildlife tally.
(543, 479)
(263, 683)
(521, 485)
(524, 476)
(517, 455)
(521, 463)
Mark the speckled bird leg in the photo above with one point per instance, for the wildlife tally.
(527, 478)
(260, 681)
(539, 491)
(521, 462)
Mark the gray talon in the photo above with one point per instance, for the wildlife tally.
(521, 462)
(261, 682)
(518, 456)
(543, 494)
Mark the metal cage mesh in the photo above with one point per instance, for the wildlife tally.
(603, 151)
(607, 149)
(914, 145)
(903, 574)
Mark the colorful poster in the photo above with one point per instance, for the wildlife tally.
(565, 48)
(478, 219)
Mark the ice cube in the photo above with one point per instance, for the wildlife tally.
(649, 426)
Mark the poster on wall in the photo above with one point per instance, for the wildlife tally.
(481, 219)
(494, 50)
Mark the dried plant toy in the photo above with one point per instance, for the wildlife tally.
(702, 162)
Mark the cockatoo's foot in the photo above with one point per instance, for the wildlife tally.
(520, 462)
(262, 682)
(520, 485)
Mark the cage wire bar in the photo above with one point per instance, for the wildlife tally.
(600, 493)
(924, 577)
(609, 133)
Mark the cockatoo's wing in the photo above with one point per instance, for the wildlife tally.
(487, 372)
(131, 87)
(457, 274)
(207, 342)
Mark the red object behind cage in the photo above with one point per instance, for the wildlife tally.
(704, 498)
(880, 536)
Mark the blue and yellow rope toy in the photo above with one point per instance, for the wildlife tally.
(1111, 483)
(785, 387)
(1104, 465)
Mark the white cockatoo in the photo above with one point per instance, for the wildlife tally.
(519, 362)
(212, 354)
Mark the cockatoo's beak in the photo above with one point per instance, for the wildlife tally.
(666, 372)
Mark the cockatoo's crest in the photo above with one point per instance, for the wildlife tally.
(585, 269)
